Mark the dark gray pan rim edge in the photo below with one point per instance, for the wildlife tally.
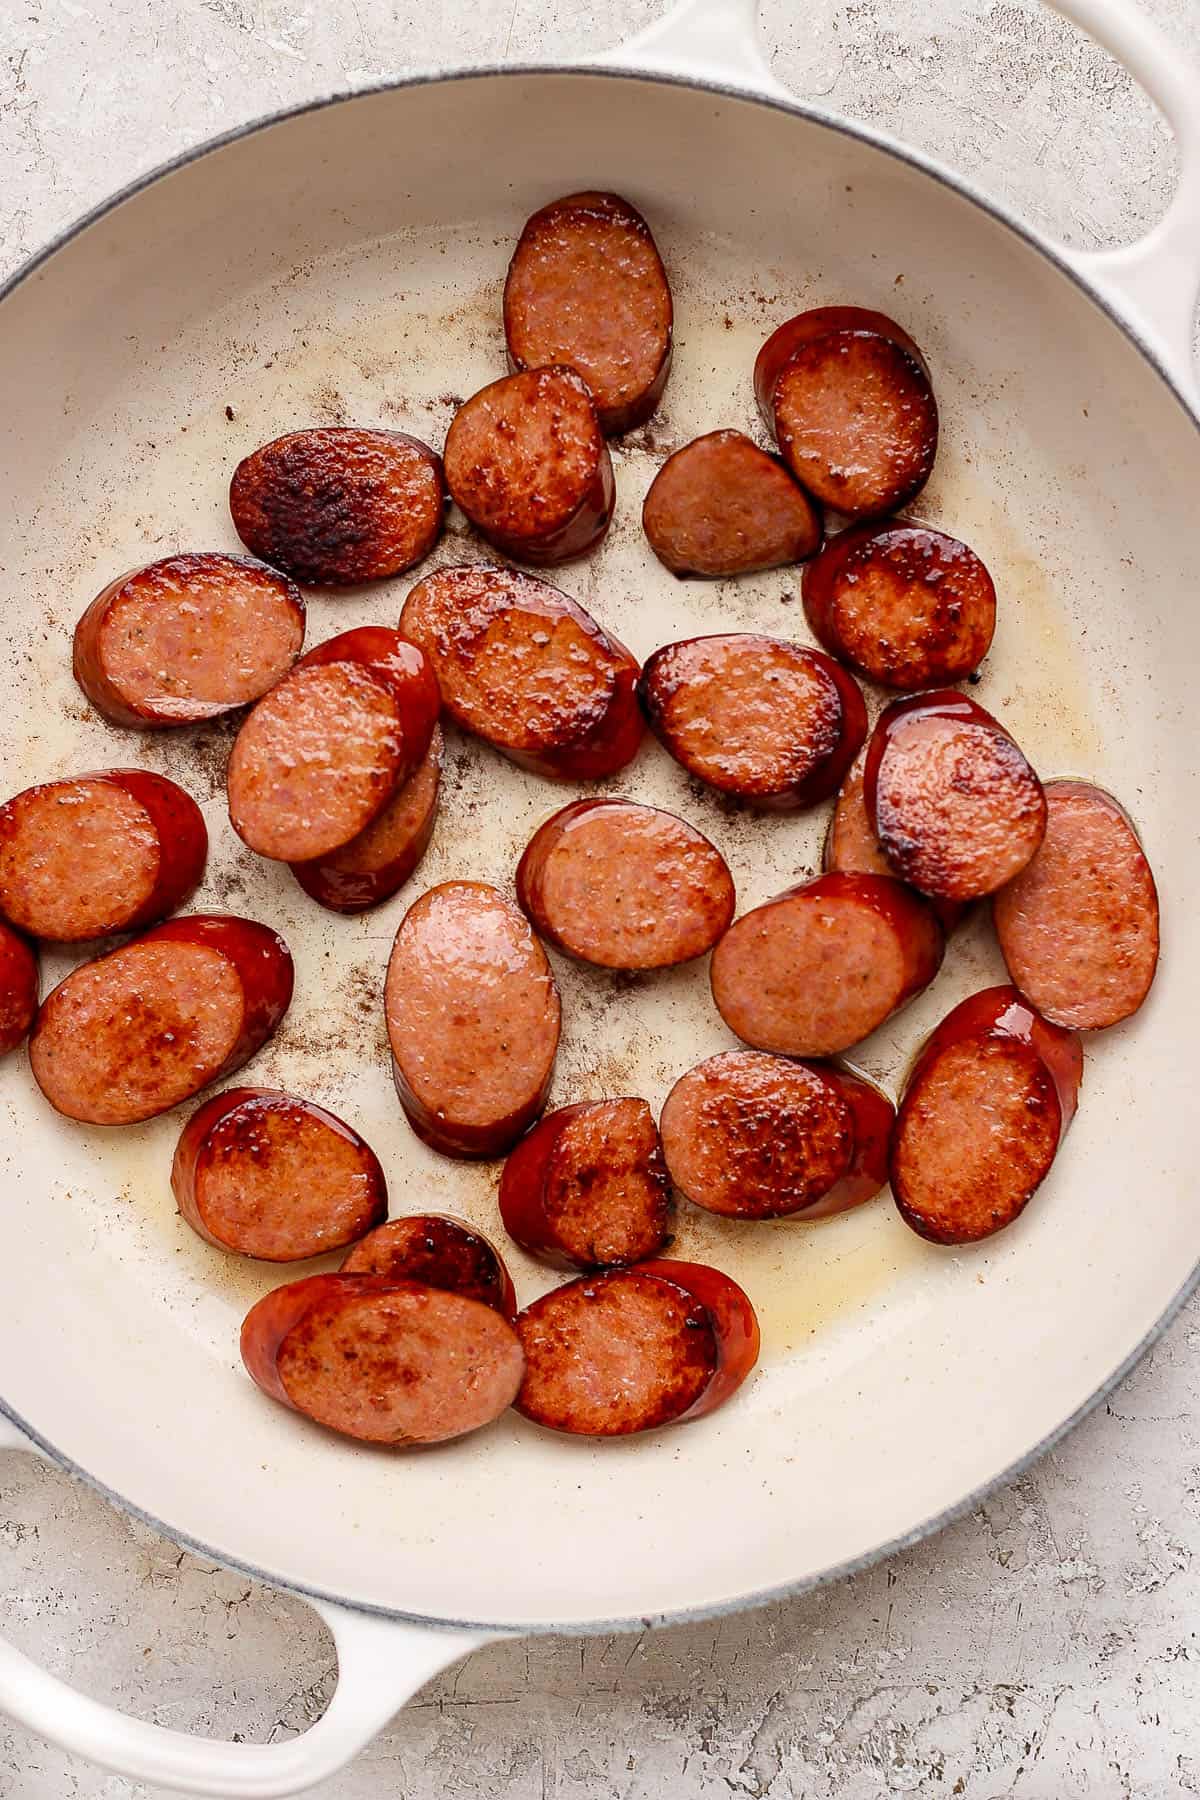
(927, 1527)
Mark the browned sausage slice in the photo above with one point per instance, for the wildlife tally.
(823, 965)
(440, 1251)
(771, 722)
(625, 886)
(527, 462)
(1078, 927)
(99, 853)
(587, 1186)
(268, 1175)
(851, 846)
(586, 287)
(473, 1018)
(722, 506)
(983, 1113)
(340, 505)
(376, 864)
(186, 639)
(954, 803)
(902, 603)
(18, 988)
(526, 669)
(135, 1032)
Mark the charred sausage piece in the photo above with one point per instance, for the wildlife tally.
(625, 886)
(770, 722)
(271, 1176)
(99, 853)
(527, 462)
(135, 1032)
(339, 505)
(1078, 927)
(902, 603)
(722, 506)
(760, 1137)
(587, 1187)
(473, 1018)
(322, 754)
(586, 287)
(952, 800)
(376, 864)
(439, 1251)
(822, 965)
(848, 396)
(387, 1361)
(525, 669)
(851, 846)
(18, 988)
(634, 1349)
(187, 639)
(983, 1112)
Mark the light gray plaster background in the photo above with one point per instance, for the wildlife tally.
(1044, 1648)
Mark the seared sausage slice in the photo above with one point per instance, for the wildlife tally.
(761, 1137)
(390, 1362)
(526, 669)
(339, 505)
(187, 639)
(625, 886)
(983, 1112)
(376, 864)
(822, 965)
(587, 1187)
(527, 462)
(18, 988)
(271, 1176)
(1078, 927)
(586, 287)
(321, 755)
(722, 506)
(634, 1349)
(773, 723)
(135, 1032)
(952, 800)
(473, 1019)
(99, 853)
(848, 396)
(851, 846)
(440, 1251)
(902, 603)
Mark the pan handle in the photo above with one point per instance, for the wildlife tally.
(381, 1664)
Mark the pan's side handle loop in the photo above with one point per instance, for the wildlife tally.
(704, 40)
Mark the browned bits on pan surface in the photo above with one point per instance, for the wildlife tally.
(439, 1251)
(339, 505)
(721, 506)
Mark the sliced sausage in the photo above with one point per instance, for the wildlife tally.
(321, 755)
(586, 287)
(271, 1176)
(339, 505)
(186, 639)
(390, 1362)
(587, 1187)
(135, 1032)
(526, 669)
(848, 396)
(952, 800)
(473, 1018)
(99, 853)
(18, 988)
(635, 1348)
(722, 506)
(851, 846)
(625, 886)
(761, 1137)
(902, 603)
(822, 965)
(773, 723)
(527, 462)
(983, 1112)
(440, 1251)
(1078, 927)
(376, 864)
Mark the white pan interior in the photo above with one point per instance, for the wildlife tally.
(347, 266)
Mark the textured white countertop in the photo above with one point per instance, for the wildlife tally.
(1044, 1648)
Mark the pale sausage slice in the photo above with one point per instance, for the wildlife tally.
(376, 864)
(1078, 927)
(587, 1187)
(721, 506)
(440, 1251)
(18, 988)
(851, 846)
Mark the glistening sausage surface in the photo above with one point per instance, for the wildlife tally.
(587, 1187)
(440, 1251)
(18, 988)
(852, 847)
(376, 864)
(721, 506)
